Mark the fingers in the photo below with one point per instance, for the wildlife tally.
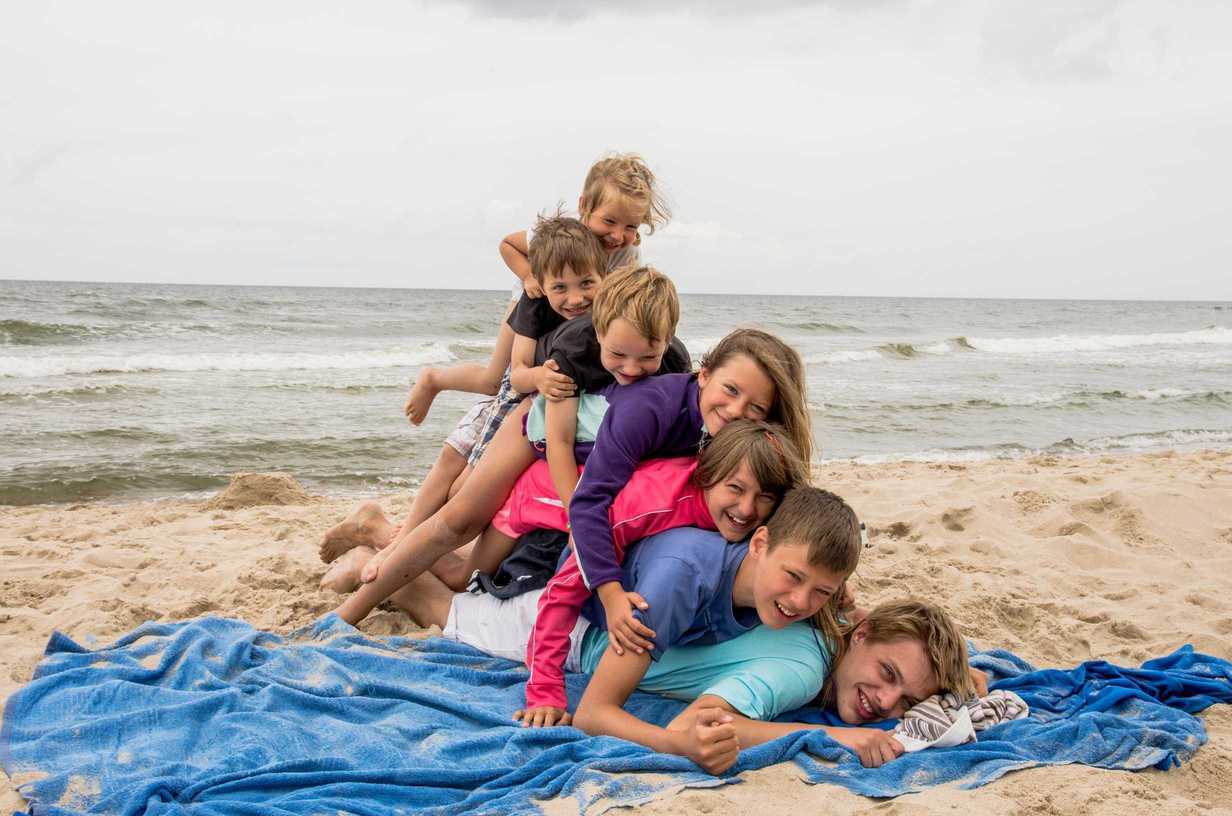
(980, 679)
(542, 717)
(878, 752)
(638, 601)
(720, 748)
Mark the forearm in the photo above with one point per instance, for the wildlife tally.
(524, 378)
(613, 721)
(517, 260)
(561, 421)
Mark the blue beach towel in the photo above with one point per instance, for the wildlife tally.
(213, 717)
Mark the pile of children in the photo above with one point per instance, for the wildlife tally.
(695, 560)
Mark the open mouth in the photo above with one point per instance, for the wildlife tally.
(864, 709)
(784, 611)
(736, 523)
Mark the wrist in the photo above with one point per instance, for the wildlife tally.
(608, 592)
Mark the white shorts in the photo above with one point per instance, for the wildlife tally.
(466, 432)
(501, 628)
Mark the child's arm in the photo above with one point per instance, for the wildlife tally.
(709, 741)
(560, 421)
(515, 252)
(629, 433)
(873, 746)
(526, 377)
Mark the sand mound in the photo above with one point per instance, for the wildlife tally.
(255, 489)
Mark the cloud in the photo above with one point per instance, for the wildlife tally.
(575, 10)
(1059, 40)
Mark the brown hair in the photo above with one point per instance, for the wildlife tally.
(641, 295)
(828, 526)
(913, 619)
(628, 176)
(771, 456)
(783, 366)
(560, 241)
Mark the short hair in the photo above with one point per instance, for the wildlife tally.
(771, 456)
(823, 522)
(931, 626)
(642, 295)
(560, 241)
(628, 175)
(783, 366)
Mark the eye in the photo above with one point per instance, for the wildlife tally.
(730, 389)
(757, 410)
(887, 672)
(794, 576)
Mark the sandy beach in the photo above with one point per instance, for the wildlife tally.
(1060, 560)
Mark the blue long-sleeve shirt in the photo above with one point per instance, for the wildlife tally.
(655, 417)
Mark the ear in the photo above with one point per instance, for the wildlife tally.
(759, 543)
(860, 633)
(703, 377)
(580, 211)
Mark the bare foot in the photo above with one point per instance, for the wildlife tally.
(419, 401)
(343, 575)
(366, 527)
(371, 569)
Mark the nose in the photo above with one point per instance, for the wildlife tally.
(801, 599)
(748, 505)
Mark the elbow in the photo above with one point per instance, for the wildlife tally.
(585, 719)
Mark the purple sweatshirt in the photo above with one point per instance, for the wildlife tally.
(655, 417)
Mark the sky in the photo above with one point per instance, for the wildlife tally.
(1025, 148)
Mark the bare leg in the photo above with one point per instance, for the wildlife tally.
(366, 527)
(343, 575)
(461, 480)
(455, 568)
(470, 377)
(436, 489)
(461, 519)
(426, 600)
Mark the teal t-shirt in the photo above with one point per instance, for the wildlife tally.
(763, 673)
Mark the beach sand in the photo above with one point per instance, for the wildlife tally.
(1060, 560)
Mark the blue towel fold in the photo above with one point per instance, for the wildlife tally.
(213, 717)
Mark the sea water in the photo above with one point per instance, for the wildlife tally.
(132, 390)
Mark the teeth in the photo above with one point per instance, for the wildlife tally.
(783, 609)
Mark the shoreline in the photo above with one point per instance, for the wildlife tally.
(1121, 557)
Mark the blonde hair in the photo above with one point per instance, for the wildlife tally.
(769, 452)
(560, 241)
(628, 175)
(782, 365)
(913, 619)
(641, 295)
(828, 526)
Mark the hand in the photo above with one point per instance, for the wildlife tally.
(552, 384)
(711, 741)
(981, 682)
(623, 630)
(373, 568)
(532, 288)
(873, 746)
(542, 716)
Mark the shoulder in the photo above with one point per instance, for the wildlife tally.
(689, 544)
(662, 390)
(571, 336)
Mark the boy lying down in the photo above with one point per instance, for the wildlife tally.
(696, 586)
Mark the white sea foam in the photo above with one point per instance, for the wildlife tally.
(59, 364)
(1215, 335)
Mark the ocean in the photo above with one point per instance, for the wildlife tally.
(125, 391)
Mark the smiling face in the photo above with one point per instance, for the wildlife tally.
(737, 389)
(615, 220)
(570, 293)
(737, 503)
(880, 681)
(626, 354)
(785, 586)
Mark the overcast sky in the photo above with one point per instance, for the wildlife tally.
(1033, 148)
